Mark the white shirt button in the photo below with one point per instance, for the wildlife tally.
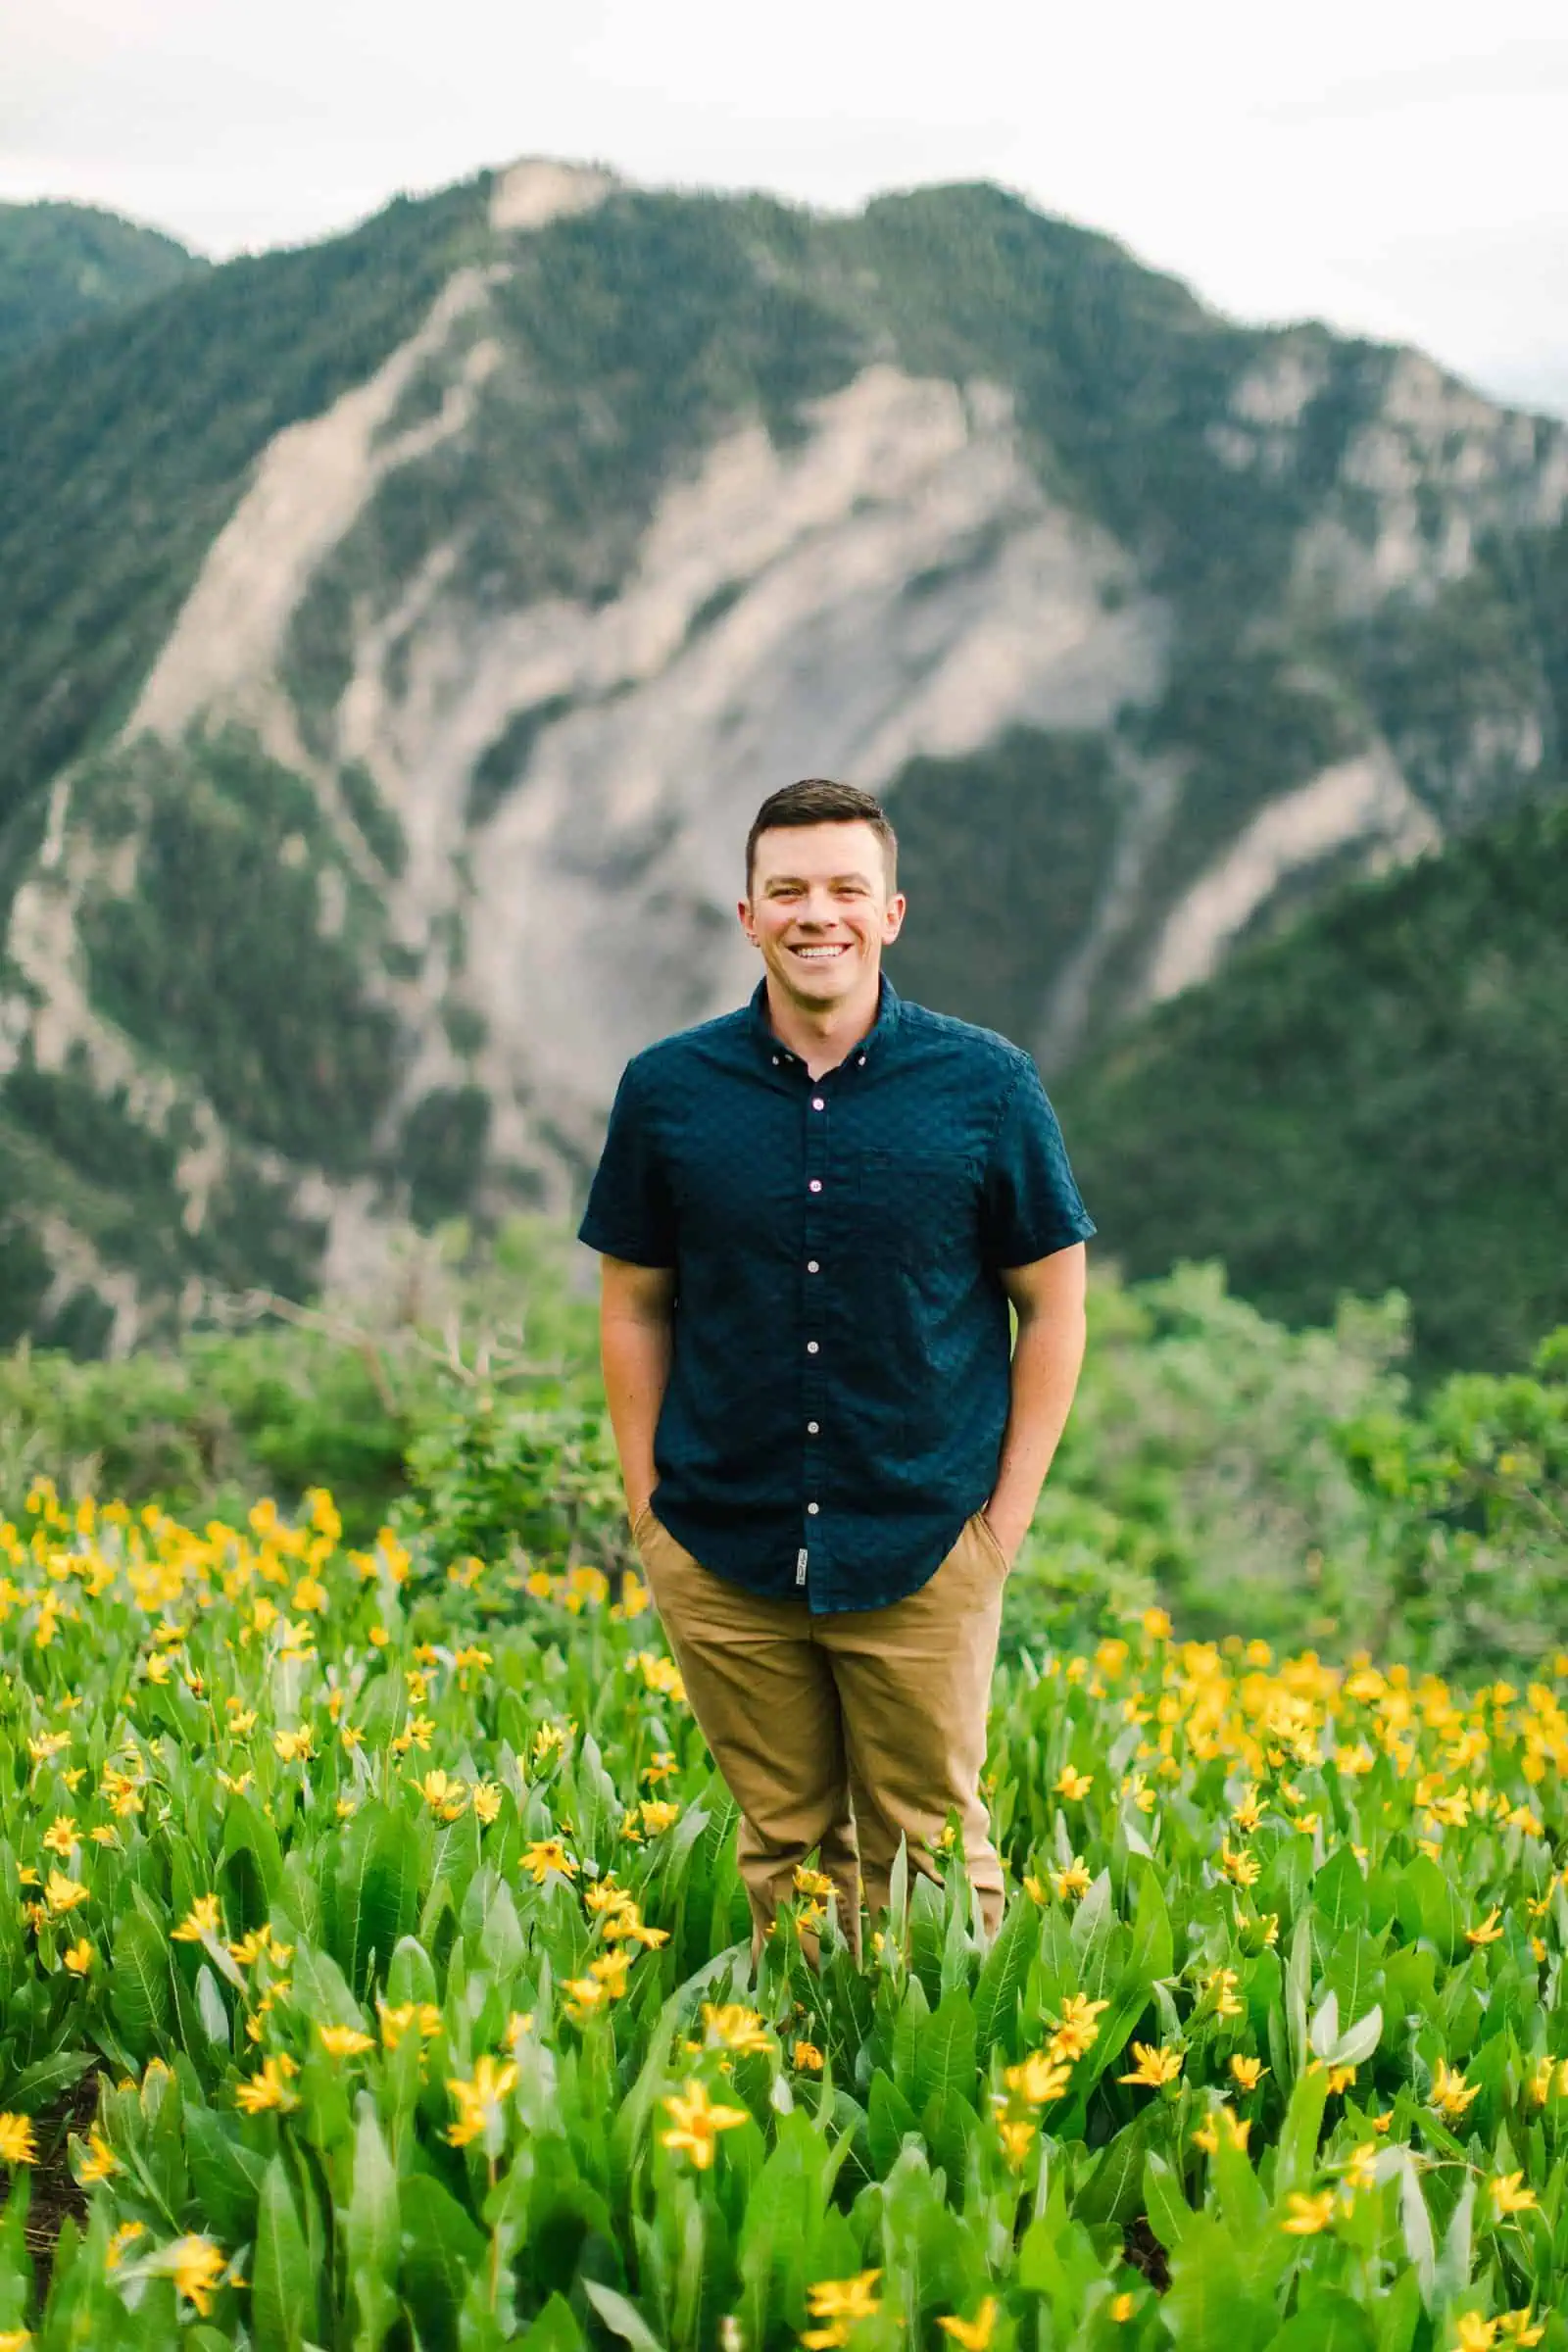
(812, 1508)
(816, 1185)
(810, 1347)
(861, 1058)
(817, 1102)
(811, 1266)
(812, 1428)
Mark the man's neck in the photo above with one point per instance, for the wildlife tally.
(822, 1040)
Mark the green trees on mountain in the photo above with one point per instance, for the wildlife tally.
(1373, 1101)
(64, 264)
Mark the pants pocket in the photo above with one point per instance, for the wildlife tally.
(982, 1526)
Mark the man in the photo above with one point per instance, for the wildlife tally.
(813, 1213)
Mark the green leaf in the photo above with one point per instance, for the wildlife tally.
(944, 2056)
(1331, 2324)
(1169, 2214)
(889, 2116)
(621, 2318)
(1297, 2157)
(282, 2300)
(1415, 2225)
(140, 1992)
(1002, 1980)
(226, 2177)
(441, 2248)
(554, 2329)
(38, 2086)
(1338, 1892)
(371, 2239)
(376, 1889)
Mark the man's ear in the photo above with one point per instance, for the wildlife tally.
(743, 907)
(893, 919)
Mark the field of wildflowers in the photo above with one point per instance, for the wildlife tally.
(376, 1973)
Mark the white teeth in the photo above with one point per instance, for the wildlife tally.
(819, 954)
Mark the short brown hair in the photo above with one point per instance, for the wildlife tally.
(818, 800)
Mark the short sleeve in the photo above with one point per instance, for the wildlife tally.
(630, 1211)
(1031, 1207)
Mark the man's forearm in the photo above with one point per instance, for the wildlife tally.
(635, 1353)
(1047, 1359)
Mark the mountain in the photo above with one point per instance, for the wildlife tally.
(61, 264)
(397, 636)
(1373, 1101)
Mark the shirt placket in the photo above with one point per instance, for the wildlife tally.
(814, 1384)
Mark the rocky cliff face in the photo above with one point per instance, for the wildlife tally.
(426, 808)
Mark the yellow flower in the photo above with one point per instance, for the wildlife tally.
(1155, 1625)
(1308, 2214)
(1340, 2078)
(972, 2335)
(445, 1797)
(1509, 2195)
(611, 1969)
(807, 2058)
(396, 2023)
(345, 2042)
(260, 1944)
(115, 2251)
(98, 2163)
(1039, 2080)
(16, 2143)
(1072, 1784)
(63, 1893)
(545, 1855)
(294, 1747)
(1487, 1931)
(1361, 2171)
(735, 2028)
(61, 1835)
(1222, 1983)
(480, 2100)
(196, 2266)
(1516, 2328)
(841, 2302)
(1017, 2135)
(268, 2088)
(1451, 2095)
(814, 1882)
(1153, 2067)
(79, 1956)
(658, 1813)
(486, 1801)
(1078, 2031)
(1123, 2307)
(199, 1920)
(1248, 2072)
(1475, 2335)
(697, 2123)
(1074, 1882)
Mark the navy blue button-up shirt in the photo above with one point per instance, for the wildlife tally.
(840, 1375)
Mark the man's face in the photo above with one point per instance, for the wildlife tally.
(819, 910)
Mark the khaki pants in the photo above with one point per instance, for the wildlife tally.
(840, 1734)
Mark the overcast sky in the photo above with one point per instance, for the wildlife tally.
(1394, 166)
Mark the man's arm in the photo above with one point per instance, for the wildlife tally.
(636, 1319)
(1047, 1357)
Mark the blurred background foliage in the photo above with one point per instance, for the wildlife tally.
(1291, 1487)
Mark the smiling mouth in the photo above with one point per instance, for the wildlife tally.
(821, 954)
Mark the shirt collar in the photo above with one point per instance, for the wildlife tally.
(890, 1005)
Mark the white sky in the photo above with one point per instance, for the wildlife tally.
(1397, 166)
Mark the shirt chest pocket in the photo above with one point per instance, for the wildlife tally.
(915, 1208)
